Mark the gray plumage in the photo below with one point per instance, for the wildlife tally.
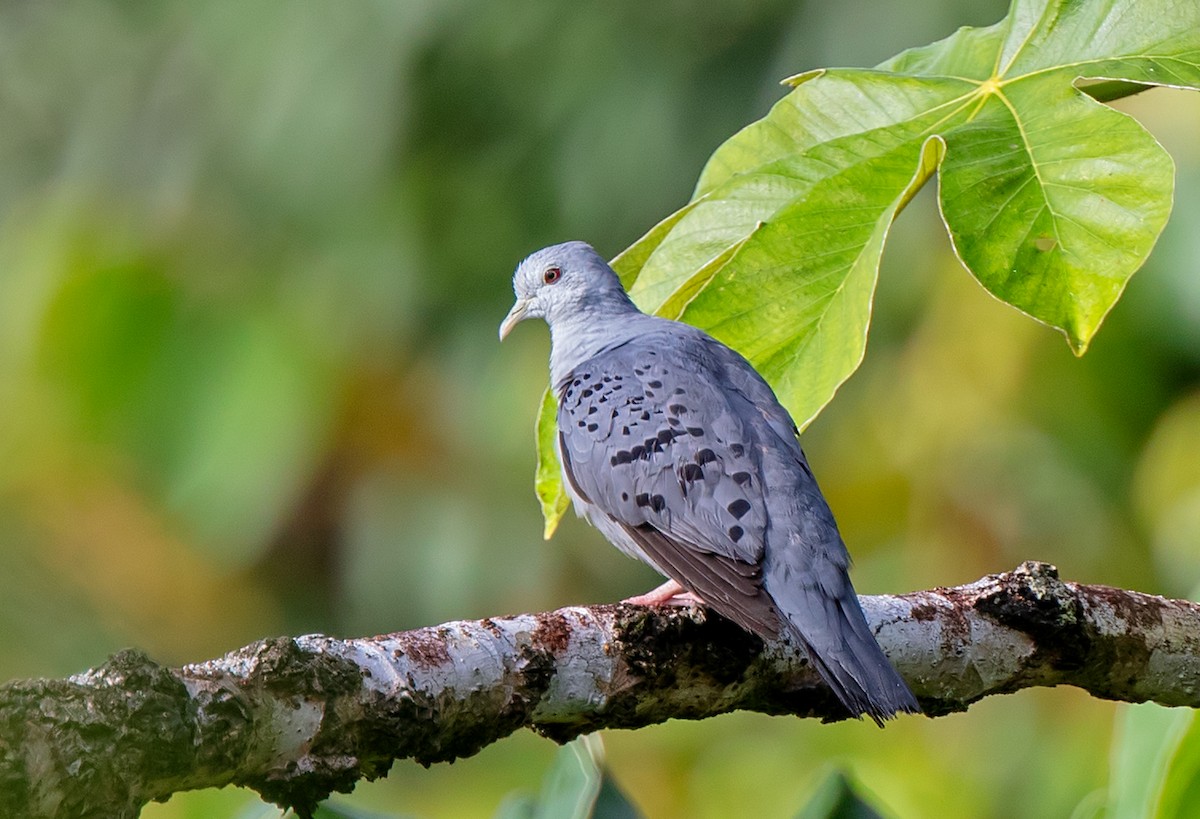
(681, 455)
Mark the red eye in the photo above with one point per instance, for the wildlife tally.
(552, 275)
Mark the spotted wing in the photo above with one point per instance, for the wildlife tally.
(654, 438)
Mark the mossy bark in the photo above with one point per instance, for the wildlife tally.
(299, 718)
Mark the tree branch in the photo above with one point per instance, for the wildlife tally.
(297, 719)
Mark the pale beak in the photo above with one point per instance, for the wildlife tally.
(514, 317)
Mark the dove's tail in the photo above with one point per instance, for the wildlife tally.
(859, 673)
(834, 632)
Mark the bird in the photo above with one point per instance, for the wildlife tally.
(675, 448)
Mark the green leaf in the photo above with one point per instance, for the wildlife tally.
(575, 787)
(629, 262)
(779, 261)
(1051, 199)
(548, 480)
(612, 803)
(1181, 785)
(836, 798)
(573, 781)
(805, 334)
(1147, 737)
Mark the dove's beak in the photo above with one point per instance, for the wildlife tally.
(514, 317)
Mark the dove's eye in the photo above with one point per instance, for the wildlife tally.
(552, 275)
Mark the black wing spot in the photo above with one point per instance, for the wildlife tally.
(624, 430)
(593, 427)
(735, 533)
(705, 456)
(645, 415)
(737, 449)
(591, 410)
(649, 393)
(741, 478)
(739, 508)
(637, 452)
(642, 499)
(679, 391)
(623, 456)
(658, 503)
(638, 371)
(692, 472)
(654, 385)
(582, 424)
(677, 409)
(624, 496)
(666, 436)
(696, 431)
(586, 393)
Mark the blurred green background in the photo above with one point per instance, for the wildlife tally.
(252, 261)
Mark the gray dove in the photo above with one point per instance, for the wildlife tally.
(681, 455)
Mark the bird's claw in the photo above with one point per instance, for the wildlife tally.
(668, 594)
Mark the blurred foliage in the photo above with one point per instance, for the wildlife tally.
(575, 787)
(252, 262)
(1155, 763)
(836, 798)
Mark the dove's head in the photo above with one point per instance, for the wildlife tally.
(564, 282)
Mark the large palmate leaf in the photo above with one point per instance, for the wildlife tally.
(1051, 198)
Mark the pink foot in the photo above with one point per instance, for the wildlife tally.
(668, 594)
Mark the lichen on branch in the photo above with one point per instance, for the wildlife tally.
(299, 718)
